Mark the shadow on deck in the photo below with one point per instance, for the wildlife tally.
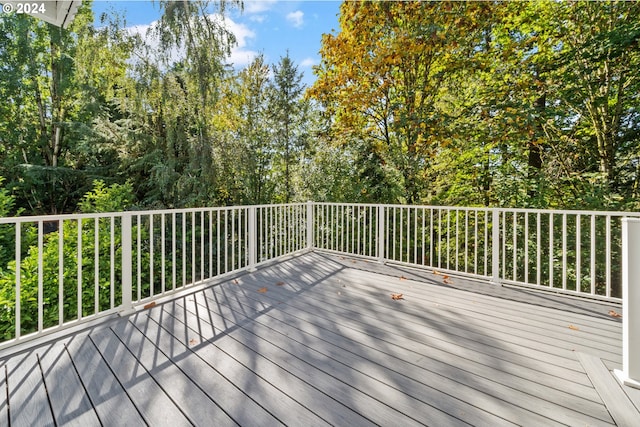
(317, 340)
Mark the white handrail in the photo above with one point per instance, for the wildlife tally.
(109, 262)
(630, 373)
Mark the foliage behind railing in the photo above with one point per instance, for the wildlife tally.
(573, 252)
(77, 267)
(71, 266)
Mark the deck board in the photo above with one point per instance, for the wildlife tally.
(316, 340)
(294, 401)
(110, 400)
(4, 404)
(622, 409)
(411, 350)
(70, 403)
(343, 369)
(400, 355)
(225, 394)
(28, 400)
(148, 397)
(331, 378)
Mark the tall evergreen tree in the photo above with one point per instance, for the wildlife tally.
(288, 116)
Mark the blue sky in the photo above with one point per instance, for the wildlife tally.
(266, 26)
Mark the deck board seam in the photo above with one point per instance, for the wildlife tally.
(171, 363)
(433, 372)
(114, 376)
(363, 332)
(149, 375)
(86, 392)
(213, 342)
(472, 339)
(46, 390)
(191, 352)
(253, 332)
(284, 350)
(561, 351)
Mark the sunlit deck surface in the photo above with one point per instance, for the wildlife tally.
(318, 340)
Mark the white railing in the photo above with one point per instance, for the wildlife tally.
(564, 251)
(72, 268)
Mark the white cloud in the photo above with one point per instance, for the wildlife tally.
(257, 6)
(308, 62)
(296, 18)
(240, 56)
(258, 18)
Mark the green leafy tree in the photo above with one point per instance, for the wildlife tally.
(55, 82)
(101, 199)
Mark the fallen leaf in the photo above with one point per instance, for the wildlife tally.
(448, 282)
(280, 284)
(575, 328)
(614, 313)
(397, 296)
(403, 278)
(150, 305)
(445, 277)
(262, 290)
(435, 272)
(236, 281)
(193, 341)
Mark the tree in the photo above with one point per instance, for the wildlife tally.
(392, 95)
(288, 116)
(171, 105)
(55, 83)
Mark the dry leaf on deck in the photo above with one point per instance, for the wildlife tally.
(193, 341)
(236, 281)
(575, 328)
(397, 296)
(614, 313)
(280, 284)
(403, 278)
(262, 290)
(150, 305)
(447, 281)
(436, 272)
(445, 277)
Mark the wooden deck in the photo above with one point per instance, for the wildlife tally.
(317, 340)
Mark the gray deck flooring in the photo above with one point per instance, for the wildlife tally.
(317, 340)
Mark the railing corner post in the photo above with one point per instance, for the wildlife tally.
(630, 374)
(310, 225)
(127, 283)
(252, 235)
(380, 234)
(495, 246)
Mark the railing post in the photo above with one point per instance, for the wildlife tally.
(252, 235)
(630, 374)
(127, 304)
(495, 246)
(310, 225)
(380, 234)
